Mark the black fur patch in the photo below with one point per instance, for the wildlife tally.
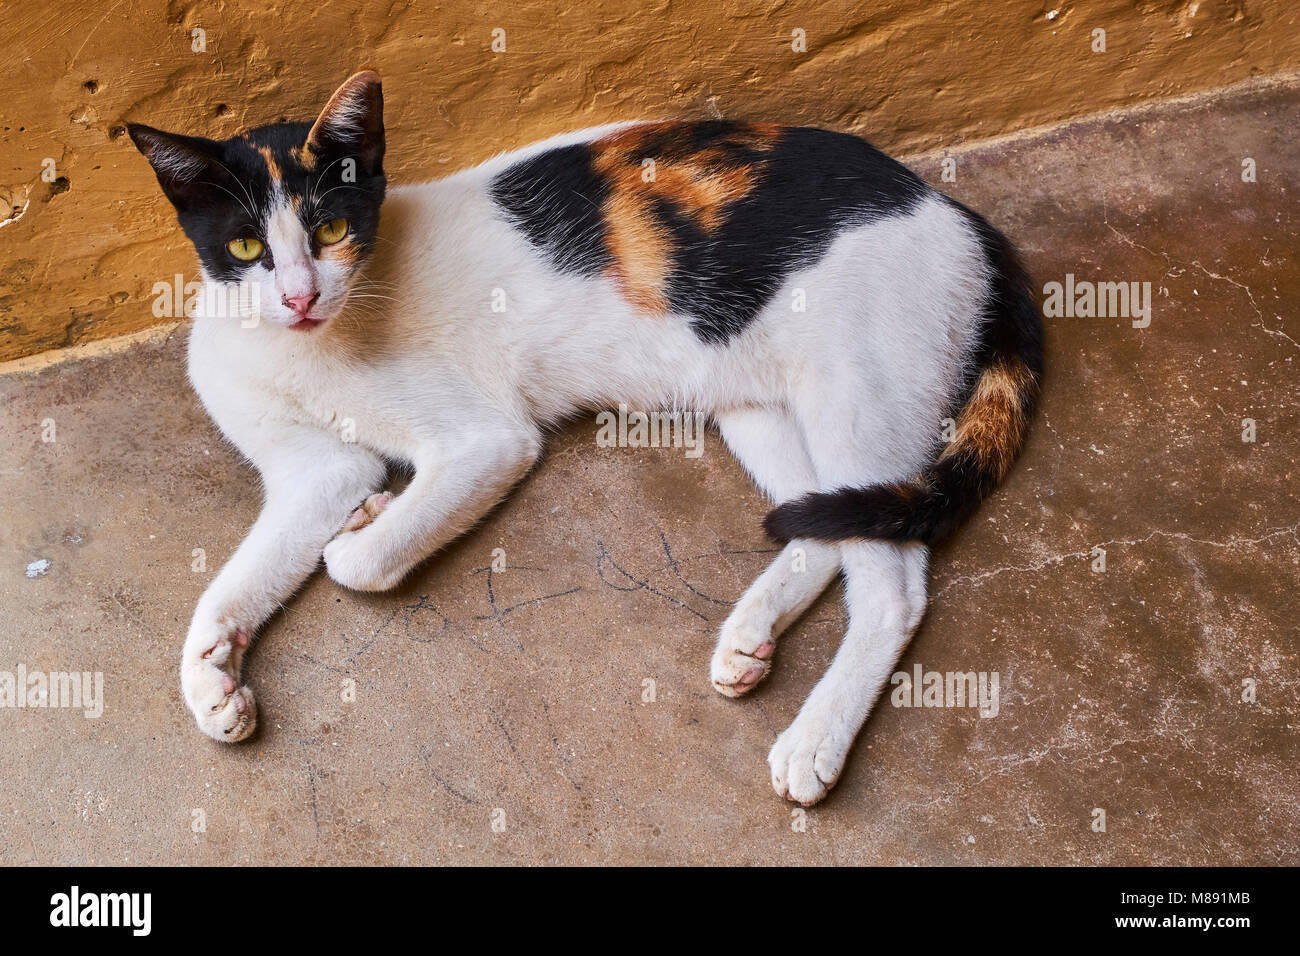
(555, 198)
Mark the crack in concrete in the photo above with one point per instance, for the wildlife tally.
(1057, 559)
(1259, 314)
(1174, 272)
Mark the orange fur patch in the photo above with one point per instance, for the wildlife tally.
(642, 251)
(346, 252)
(304, 156)
(271, 164)
(656, 163)
(991, 426)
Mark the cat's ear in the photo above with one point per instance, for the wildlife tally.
(352, 123)
(185, 165)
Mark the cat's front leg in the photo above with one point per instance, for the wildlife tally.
(312, 484)
(456, 482)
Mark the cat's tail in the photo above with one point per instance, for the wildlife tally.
(990, 428)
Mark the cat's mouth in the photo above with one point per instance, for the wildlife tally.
(306, 324)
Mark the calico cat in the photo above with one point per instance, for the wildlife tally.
(821, 303)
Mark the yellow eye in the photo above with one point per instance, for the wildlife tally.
(245, 249)
(331, 232)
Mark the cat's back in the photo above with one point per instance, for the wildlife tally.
(698, 218)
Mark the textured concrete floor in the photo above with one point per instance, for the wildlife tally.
(522, 691)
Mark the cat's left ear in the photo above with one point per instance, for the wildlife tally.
(352, 123)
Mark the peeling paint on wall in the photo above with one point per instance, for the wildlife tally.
(14, 201)
(80, 250)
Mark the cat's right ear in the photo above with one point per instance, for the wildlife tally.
(185, 165)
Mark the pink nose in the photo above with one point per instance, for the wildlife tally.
(301, 303)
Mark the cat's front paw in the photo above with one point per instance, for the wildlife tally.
(355, 559)
(223, 709)
(348, 562)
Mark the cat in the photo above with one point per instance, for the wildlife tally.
(825, 306)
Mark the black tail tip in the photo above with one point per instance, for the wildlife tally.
(878, 512)
(785, 522)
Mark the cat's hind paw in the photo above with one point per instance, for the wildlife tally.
(807, 758)
(741, 659)
(223, 709)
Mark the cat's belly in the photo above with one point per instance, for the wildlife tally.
(614, 354)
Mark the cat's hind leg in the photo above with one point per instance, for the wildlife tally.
(885, 593)
(747, 640)
(852, 444)
(768, 443)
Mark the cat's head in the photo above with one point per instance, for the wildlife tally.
(290, 208)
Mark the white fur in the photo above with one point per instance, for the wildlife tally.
(174, 161)
(848, 392)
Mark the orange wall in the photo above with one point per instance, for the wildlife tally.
(79, 255)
